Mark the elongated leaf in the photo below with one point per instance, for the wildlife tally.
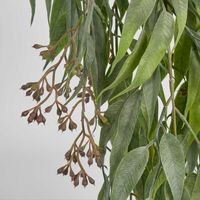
(104, 193)
(32, 3)
(48, 7)
(126, 124)
(196, 190)
(142, 8)
(131, 62)
(182, 57)
(172, 158)
(194, 80)
(150, 94)
(155, 51)
(181, 9)
(129, 172)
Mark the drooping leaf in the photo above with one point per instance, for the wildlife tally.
(196, 190)
(181, 9)
(126, 124)
(163, 32)
(194, 80)
(104, 193)
(48, 7)
(129, 172)
(182, 57)
(150, 94)
(32, 3)
(142, 8)
(172, 158)
(131, 62)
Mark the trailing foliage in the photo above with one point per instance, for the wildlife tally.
(119, 53)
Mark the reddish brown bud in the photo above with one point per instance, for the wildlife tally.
(87, 99)
(91, 180)
(90, 161)
(60, 170)
(98, 161)
(59, 112)
(33, 114)
(76, 180)
(65, 171)
(89, 153)
(87, 95)
(68, 155)
(39, 119)
(62, 127)
(37, 46)
(30, 119)
(25, 113)
(74, 159)
(41, 91)
(84, 181)
(29, 92)
(71, 173)
(72, 125)
(82, 153)
(48, 109)
(64, 109)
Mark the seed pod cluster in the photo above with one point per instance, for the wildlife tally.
(76, 177)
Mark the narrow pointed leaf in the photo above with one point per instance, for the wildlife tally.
(196, 189)
(126, 124)
(172, 158)
(32, 3)
(163, 32)
(48, 7)
(142, 8)
(194, 80)
(181, 9)
(129, 172)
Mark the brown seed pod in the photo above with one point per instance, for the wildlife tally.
(48, 109)
(90, 161)
(29, 92)
(60, 170)
(84, 181)
(68, 155)
(91, 180)
(25, 113)
(65, 171)
(72, 125)
(59, 112)
(37, 46)
(40, 119)
(30, 119)
(71, 173)
(76, 180)
(87, 99)
(62, 127)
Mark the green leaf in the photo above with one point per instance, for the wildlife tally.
(48, 7)
(194, 77)
(192, 158)
(126, 124)
(181, 9)
(130, 63)
(150, 95)
(129, 172)
(104, 193)
(108, 130)
(32, 3)
(172, 158)
(163, 32)
(142, 8)
(182, 57)
(196, 190)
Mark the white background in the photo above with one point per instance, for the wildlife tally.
(29, 154)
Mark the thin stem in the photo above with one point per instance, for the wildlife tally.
(171, 83)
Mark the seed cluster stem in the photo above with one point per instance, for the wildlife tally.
(171, 84)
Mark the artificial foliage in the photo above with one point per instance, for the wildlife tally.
(120, 52)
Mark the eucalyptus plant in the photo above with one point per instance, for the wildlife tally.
(120, 53)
